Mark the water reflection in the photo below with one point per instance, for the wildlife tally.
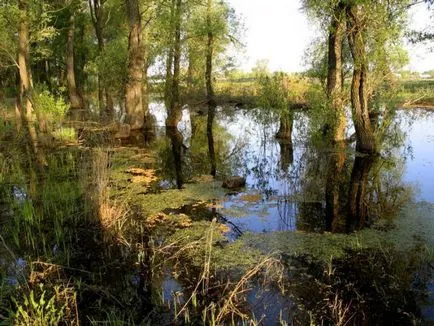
(357, 215)
(210, 136)
(177, 146)
(300, 185)
(293, 184)
(286, 155)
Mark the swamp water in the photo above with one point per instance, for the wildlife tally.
(318, 234)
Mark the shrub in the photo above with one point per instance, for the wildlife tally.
(51, 110)
(65, 134)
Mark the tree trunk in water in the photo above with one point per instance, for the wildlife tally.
(210, 90)
(77, 102)
(286, 155)
(285, 127)
(133, 91)
(357, 206)
(25, 83)
(176, 139)
(335, 71)
(334, 195)
(175, 113)
(359, 86)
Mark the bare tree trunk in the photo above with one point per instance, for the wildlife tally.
(285, 127)
(25, 83)
(335, 71)
(77, 102)
(190, 68)
(210, 89)
(175, 114)
(169, 60)
(359, 86)
(149, 125)
(97, 14)
(176, 139)
(133, 91)
(334, 192)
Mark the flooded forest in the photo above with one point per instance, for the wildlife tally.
(146, 179)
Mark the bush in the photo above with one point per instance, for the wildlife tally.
(65, 134)
(51, 110)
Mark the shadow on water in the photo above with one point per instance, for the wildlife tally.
(177, 146)
(109, 260)
(60, 239)
(295, 184)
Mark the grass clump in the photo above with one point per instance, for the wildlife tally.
(65, 134)
(43, 307)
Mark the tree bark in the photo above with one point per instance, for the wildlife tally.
(285, 127)
(335, 71)
(175, 113)
(176, 139)
(359, 86)
(169, 59)
(210, 89)
(97, 14)
(25, 83)
(133, 91)
(77, 102)
(334, 192)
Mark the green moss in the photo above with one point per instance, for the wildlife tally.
(414, 226)
(224, 255)
(174, 198)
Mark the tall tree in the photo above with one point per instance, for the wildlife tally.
(133, 90)
(25, 82)
(335, 69)
(75, 97)
(97, 12)
(209, 86)
(359, 85)
(174, 109)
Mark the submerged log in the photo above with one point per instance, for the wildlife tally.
(234, 182)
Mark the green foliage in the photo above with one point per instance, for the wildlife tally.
(273, 93)
(50, 108)
(280, 90)
(226, 29)
(112, 64)
(8, 18)
(65, 134)
(37, 309)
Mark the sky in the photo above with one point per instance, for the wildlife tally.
(277, 30)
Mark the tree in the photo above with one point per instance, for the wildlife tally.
(25, 90)
(98, 15)
(133, 90)
(209, 86)
(335, 79)
(174, 67)
(374, 31)
(75, 97)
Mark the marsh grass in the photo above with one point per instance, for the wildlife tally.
(417, 93)
(216, 292)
